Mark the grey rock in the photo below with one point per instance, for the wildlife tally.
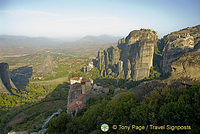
(187, 66)
(5, 82)
(132, 58)
(97, 92)
(177, 44)
(118, 90)
(144, 88)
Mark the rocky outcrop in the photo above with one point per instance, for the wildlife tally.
(46, 67)
(95, 92)
(5, 82)
(132, 58)
(108, 61)
(3, 88)
(21, 76)
(74, 92)
(177, 44)
(187, 68)
(146, 87)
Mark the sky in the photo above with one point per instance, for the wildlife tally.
(74, 18)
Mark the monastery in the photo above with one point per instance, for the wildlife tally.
(76, 97)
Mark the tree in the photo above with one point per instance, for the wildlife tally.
(59, 124)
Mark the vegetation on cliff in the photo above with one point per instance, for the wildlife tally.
(174, 104)
(160, 107)
(127, 70)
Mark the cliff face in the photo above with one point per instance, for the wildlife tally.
(3, 88)
(187, 66)
(177, 44)
(5, 82)
(20, 76)
(132, 58)
(107, 60)
(46, 66)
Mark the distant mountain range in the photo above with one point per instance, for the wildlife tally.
(97, 40)
(7, 41)
(24, 41)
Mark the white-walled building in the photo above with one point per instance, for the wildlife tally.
(75, 80)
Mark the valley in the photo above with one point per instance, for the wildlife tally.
(42, 82)
(99, 67)
(142, 80)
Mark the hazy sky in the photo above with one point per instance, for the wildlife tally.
(72, 18)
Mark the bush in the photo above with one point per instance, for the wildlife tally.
(58, 124)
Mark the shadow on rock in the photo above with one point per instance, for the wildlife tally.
(21, 76)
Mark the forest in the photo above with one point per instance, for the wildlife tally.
(177, 109)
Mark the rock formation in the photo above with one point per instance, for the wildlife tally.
(135, 55)
(177, 44)
(46, 67)
(95, 92)
(3, 89)
(187, 67)
(5, 82)
(132, 58)
(20, 76)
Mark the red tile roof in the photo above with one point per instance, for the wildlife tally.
(75, 78)
(74, 105)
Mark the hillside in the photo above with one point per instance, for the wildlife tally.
(131, 86)
(29, 42)
(18, 46)
(139, 90)
(92, 40)
(43, 82)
